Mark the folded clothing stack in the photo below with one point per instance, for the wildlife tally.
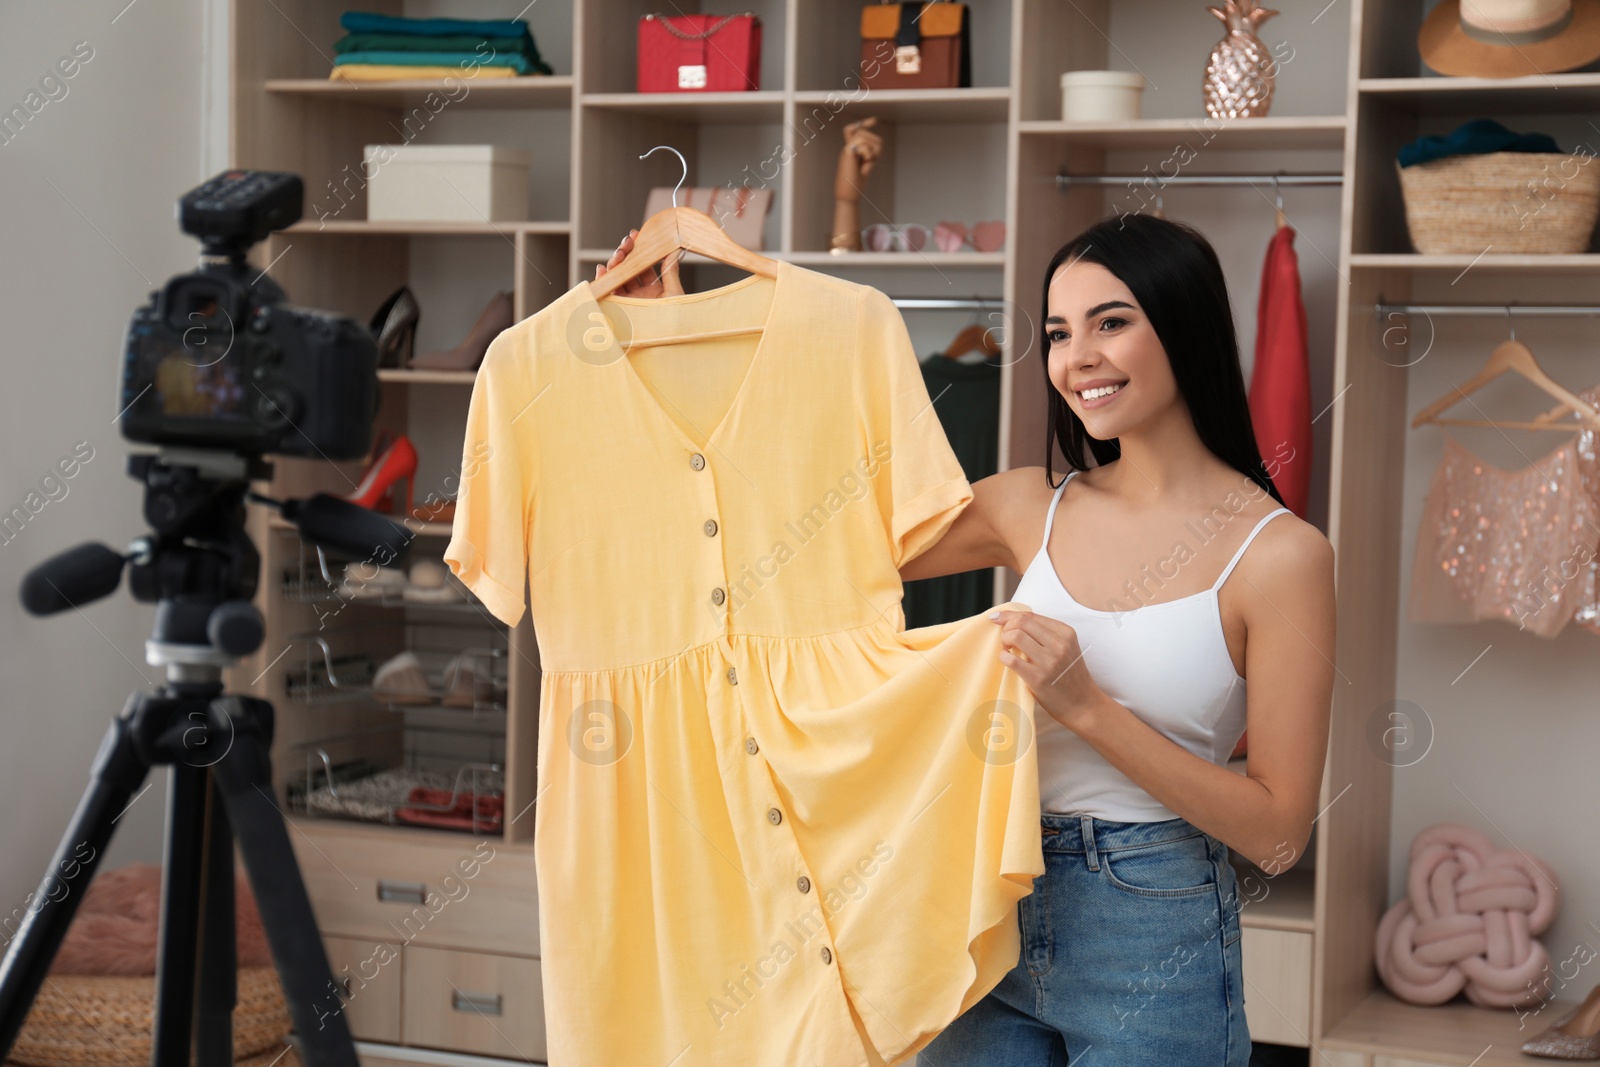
(390, 48)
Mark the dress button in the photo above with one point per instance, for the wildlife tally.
(774, 816)
(697, 461)
(718, 596)
(711, 527)
(750, 746)
(733, 679)
(827, 954)
(804, 884)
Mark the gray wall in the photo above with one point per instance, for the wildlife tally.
(87, 185)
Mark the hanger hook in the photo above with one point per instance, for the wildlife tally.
(1511, 322)
(1277, 193)
(681, 160)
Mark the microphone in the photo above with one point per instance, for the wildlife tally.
(77, 576)
(349, 530)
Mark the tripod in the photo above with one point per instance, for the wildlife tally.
(201, 569)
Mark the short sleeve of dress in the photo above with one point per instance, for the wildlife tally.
(919, 484)
(489, 540)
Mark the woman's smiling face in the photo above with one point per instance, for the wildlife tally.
(1099, 337)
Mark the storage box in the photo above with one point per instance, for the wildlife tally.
(1101, 95)
(446, 183)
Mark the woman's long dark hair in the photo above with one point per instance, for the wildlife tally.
(1173, 273)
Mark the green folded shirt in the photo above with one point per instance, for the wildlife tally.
(409, 42)
(436, 59)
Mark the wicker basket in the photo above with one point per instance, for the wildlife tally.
(82, 1020)
(1504, 202)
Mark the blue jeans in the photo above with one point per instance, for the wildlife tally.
(1130, 957)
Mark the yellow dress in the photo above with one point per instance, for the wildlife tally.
(773, 828)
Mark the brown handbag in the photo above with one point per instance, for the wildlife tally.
(916, 45)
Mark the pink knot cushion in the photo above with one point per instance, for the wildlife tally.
(116, 928)
(1467, 922)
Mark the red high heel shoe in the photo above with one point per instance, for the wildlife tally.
(398, 461)
(379, 447)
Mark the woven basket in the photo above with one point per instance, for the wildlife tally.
(1505, 202)
(81, 1020)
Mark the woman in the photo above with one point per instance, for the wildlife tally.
(1130, 939)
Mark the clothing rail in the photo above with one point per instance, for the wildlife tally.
(1381, 309)
(1200, 179)
(976, 303)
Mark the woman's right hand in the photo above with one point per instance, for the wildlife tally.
(649, 284)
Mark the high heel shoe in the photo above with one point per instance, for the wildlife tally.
(395, 327)
(495, 317)
(398, 461)
(379, 447)
(1575, 1037)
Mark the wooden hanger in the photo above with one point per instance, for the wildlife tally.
(975, 337)
(677, 230)
(1548, 419)
(1512, 355)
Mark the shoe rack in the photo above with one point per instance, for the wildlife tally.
(1307, 932)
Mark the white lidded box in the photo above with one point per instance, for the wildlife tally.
(446, 183)
(1101, 95)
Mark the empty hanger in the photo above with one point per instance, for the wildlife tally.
(974, 337)
(1513, 355)
(680, 229)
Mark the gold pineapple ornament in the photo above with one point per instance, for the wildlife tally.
(1241, 70)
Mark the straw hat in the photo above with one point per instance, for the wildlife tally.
(1508, 38)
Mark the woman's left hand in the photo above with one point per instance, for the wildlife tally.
(1045, 654)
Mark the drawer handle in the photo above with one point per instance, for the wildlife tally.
(402, 892)
(484, 1003)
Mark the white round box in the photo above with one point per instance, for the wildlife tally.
(1101, 95)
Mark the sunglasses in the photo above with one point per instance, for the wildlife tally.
(983, 236)
(884, 237)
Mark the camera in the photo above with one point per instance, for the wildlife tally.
(217, 359)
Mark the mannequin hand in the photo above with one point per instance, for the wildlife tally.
(861, 150)
(647, 285)
(1045, 653)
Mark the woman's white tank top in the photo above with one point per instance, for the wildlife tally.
(1166, 661)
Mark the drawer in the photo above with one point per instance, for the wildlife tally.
(379, 884)
(474, 1002)
(1277, 990)
(367, 974)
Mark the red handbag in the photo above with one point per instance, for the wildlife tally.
(699, 53)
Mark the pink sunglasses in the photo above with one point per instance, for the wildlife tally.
(984, 236)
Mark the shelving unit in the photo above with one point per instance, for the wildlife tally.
(1307, 932)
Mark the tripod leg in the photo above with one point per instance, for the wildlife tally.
(219, 962)
(244, 776)
(119, 767)
(177, 950)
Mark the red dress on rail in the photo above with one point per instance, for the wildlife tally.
(1280, 383)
